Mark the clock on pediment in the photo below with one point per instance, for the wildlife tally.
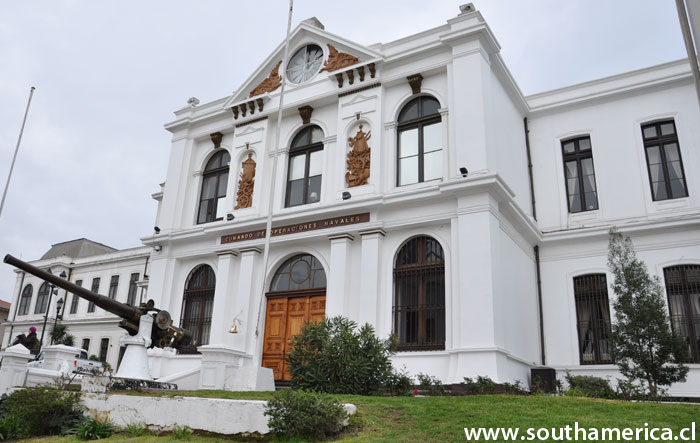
(304, 64)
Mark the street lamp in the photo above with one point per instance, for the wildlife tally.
(59, 305)
(52, 290)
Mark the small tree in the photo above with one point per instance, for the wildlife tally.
(644, 347)
(60, 336)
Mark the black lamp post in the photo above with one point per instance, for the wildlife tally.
(52, 289)
(59, 305)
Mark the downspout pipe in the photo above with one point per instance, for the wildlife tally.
(529, 169)
(539, 305)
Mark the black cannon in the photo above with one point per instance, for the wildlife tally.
(163, 335)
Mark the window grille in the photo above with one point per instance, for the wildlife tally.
(593, 319)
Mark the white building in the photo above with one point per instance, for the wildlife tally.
(409, 194)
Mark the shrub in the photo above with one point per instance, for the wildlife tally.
(39, 410)
(485, 385)
(629, 390)
(430, 385)
(398, 383)
(331, 356)
(137, 430)
(304, 414)
(588, 386)
(182, 433)
(93, 429)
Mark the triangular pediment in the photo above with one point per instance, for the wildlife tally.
(338, 53)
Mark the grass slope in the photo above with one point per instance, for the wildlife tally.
(382, 419)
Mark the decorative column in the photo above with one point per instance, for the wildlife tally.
(338, 275)
(247, 302)
(369, 275)
(221, 312)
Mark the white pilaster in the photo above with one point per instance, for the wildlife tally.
(338, 277)
(369, 276)
(247, 301)
(223, 295)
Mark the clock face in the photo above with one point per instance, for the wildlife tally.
(304, 64)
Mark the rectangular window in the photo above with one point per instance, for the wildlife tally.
(86, 344)
(75, 299)
(581, 191)
(683, 291)
(664, 162)
(104, 348)
(113, 284)
(95, 288)
(593, 319)
(131, 299)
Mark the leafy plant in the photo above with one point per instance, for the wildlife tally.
(644, 347)
(485, 385)
(93, 429)
(431, 385)
(137, 430)
(60, 336)
(182, 433)
(39, 410)
(398, 383)
(304, 414)
(589, 386)
(334, 357)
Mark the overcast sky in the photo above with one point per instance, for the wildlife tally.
(109, 74)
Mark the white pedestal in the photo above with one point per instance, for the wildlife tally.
(224, 368)
(135, 361)
(14, 367)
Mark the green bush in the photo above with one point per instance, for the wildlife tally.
(137, 430)
(398, 383)
(331, 356)
(430, 385)
(93, 429)
(39, 410)
(589, 386)
(182, 433)
(304, 414)
(485, 385)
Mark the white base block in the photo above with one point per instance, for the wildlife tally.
(254, 378)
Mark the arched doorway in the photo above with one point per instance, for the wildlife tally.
(197, 306)
(297, 295)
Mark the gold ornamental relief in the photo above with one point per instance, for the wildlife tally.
(338, 60)
(358, 159)
(244, 197)
(272, 82)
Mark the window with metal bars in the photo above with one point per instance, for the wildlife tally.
(131, 298)
(75, 299)
(113, 285)
(42, 299)
(25, 300)
(419, 295)
(664, 162)
(104, 349)
(593, 319)
(86, 344)
(197, 306)
(683, 291)
(214, 183)
(581, 191)
(96, 289)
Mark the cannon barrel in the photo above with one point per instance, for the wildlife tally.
(164, 334)
(128, 313)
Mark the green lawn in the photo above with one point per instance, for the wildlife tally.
(381, 419)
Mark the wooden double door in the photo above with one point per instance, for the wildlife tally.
(284, 318)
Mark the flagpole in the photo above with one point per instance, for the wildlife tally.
(271, 199)
(14, 157)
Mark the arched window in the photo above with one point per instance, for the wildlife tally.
(42, 299)
(25, 300)
(683, 291)
(420, 142)
(302, 271)
(214, 182)
(419, 295)
(593, 319)
(305, 167)
(198, 303)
